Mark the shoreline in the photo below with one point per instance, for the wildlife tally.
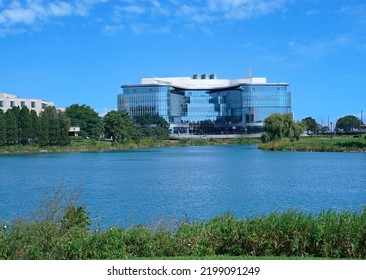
(317, 144)
(89, 146)
(305, 144)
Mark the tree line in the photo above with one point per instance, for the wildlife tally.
(346, 124)
(25, 127)
(21, 126)
(278, 126)
(117, 125)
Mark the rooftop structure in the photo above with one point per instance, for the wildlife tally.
(201, 82)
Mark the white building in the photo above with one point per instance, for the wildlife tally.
(8, 101)
(227, 106)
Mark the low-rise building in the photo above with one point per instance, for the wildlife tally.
(8, 101)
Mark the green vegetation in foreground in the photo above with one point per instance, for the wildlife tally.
(62, 230)
(318, 144)
(83, 145)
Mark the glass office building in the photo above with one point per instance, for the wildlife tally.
(205, 104)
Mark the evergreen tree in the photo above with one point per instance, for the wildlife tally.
(53, 125)
(36, 126)
(11, 124)
(64, 123)
(16, 111)
(44, 135)
(25, 126)
(2, 129)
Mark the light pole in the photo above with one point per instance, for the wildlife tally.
(331, 129)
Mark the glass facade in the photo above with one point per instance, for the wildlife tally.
(142, 100)
(237, 109)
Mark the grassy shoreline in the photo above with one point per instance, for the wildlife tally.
(278, 235)
(306, 144)
(317, 144)
(98, 146)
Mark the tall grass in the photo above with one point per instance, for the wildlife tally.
(64, 232)
(336, 144)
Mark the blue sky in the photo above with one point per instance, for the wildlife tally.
(82, 51)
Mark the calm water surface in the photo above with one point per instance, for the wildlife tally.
(139, 187)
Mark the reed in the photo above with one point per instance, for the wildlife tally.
(329, 234)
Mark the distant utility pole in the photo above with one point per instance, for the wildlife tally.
(361, 125)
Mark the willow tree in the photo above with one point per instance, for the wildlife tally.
(278, 126)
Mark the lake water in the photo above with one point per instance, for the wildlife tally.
(142, 186)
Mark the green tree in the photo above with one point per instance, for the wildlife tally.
(206, 126)
(44, 134)
(2, 129)
(273, 127)
(75, 217)
(119, 126)
(36, 126)
(16, 110)
(144, 120)
(64, 123)
(54, 127)
(348, 124)
(11, 121)
(310, 125)
(278, 126)
(161, 122)
(153, 126)
(87, 119)
(25, 126)
(292, 129)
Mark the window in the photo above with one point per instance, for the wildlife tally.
(11, 104)
(1, 104)
(22, 103)
(33, 104)
(44, 105)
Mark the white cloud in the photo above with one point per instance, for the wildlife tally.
(357, 13)
(142, 15)
(10, 31)
(29, 12)
(61, 9)
(204, 11)
(193, 13)
(246, 9)
(320, 48)
(83, 7)
(111, 30)
(312, 12)
(134, 9)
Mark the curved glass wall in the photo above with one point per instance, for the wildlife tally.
(142, 100)
(259, 101)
